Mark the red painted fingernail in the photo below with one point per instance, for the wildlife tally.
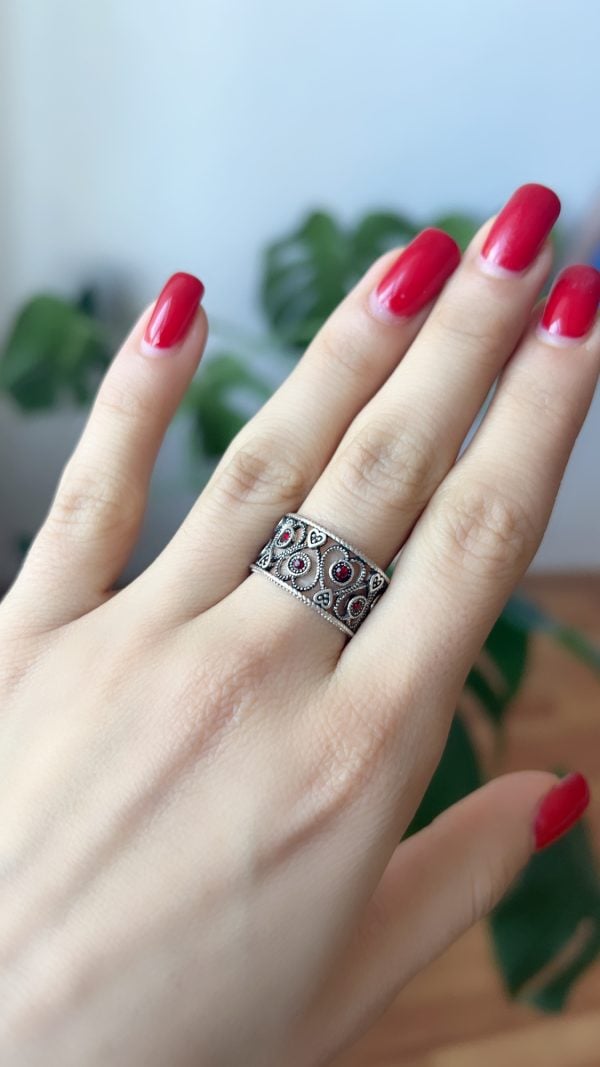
(573, 302)
(521, 228)
(174, 311)
(417, 275)
(560, 809)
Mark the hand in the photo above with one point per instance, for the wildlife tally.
(203, 783)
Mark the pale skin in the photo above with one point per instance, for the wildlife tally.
(204, 784)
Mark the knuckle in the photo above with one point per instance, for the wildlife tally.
(92, 502)
(486, 884)
(49, 994)
(484, 530)
(261, 469)
(348, 749)
(218, 694)
(119, 402)
(478, 333)
(389, 464)
(13, 662)
(348, 350)
(480, 895)
(545, 403)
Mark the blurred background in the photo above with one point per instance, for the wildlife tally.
(140, 138)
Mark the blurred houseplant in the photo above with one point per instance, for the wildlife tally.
(547, 931)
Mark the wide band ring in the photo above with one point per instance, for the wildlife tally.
(327, 573)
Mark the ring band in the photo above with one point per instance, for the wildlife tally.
(318, 567)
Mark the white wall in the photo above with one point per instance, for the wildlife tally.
(152, 135)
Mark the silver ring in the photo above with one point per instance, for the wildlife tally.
(327, 573)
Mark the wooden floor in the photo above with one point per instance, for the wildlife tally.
(455, 1014)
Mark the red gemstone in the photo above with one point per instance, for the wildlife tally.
(298, 564)
(342, 572)
(285, 537)
(357, 606)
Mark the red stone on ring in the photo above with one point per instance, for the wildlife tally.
(297, 564)
(342, 572)
(357, 605)
(284, 537)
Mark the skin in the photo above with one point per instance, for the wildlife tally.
(203, 785)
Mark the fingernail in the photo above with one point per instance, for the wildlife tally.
(560, 809)
(521, 228)
(571, 307)
(173, 313)
(416, 276)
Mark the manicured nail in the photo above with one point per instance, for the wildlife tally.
(571, 307)
(560, 809)
(521, 228)
(416, 276)
(173, 313)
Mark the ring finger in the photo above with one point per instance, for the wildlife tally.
(271, 465)
(402, 444)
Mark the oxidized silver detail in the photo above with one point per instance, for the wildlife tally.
(304, 558)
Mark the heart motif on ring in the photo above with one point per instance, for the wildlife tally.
(323, 598)
(316, 538)
(375, 582)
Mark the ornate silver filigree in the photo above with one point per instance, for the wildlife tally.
(327, 573)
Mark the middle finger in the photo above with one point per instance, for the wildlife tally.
(402, 444)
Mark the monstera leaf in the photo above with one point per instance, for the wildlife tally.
(506, 649)
(456, 775)
(308, 272)
(525, 616)
(546, 931)
(305, 275)
(56, 350)
(211, 401)
(461, 227)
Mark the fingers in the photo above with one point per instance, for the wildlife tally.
(400, 447)
(402, 444)
(437, 885)
(273, 462)
(96, 514)
(484, 524)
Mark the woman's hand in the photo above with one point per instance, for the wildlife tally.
(203, 783)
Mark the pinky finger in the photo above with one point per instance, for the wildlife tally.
(436, 885)
(96, 514)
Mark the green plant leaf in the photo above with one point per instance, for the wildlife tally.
(507, 648)
(86, 301)
(377, 233)
(524, 614)
(54, 351)
(546, 931)
(307, 273)
(492, 702)
(305, 276)
(456, 775)
(210, 402)
(461, 227)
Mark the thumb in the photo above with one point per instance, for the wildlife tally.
(436, 885)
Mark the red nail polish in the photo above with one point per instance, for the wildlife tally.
(521, 227)
(418, 274)
(174, 311)
(560, 809)
(573, 302)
